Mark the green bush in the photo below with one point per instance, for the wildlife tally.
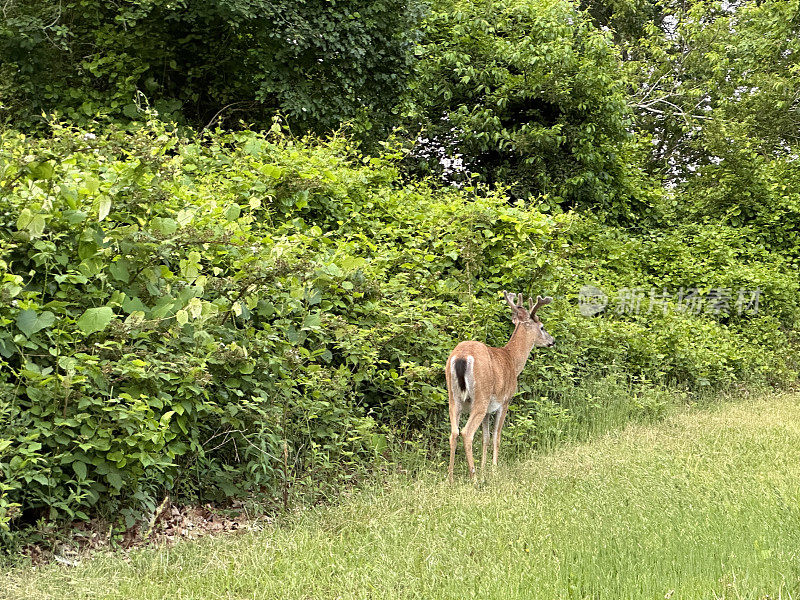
(242, 313)
(171, 322)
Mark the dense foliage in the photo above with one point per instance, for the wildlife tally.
(243, 313)
(318, 62)
(208, 312)
(529, 93)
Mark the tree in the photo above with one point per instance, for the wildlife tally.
(705, 65)
(716, 87)
(320, 63)
(530, 93)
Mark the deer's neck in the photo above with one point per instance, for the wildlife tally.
(519, 348)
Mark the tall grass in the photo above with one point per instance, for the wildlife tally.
(547, 417)
(702, 505)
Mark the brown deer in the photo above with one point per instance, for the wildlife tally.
(483, 379)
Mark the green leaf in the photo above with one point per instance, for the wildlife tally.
(115, 480)
(80, 469)
(185, 217)
(26, 321)
(42, 170)
(272, 171)
(254, 147)
(119, 270)
(95, 319)
(165, 418)
(312, 321)
(103, 207)
(233, 212)
(7, 348)
(164, 225)
(130, 111)
(29, 322)
(130, 305)
(74, 216)
(33, 223)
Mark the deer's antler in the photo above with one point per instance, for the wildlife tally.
(511, 300)
(540, 302)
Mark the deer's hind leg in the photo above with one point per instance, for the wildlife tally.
(455, 416)
(468, 433)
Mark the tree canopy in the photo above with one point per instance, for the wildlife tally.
(320, 63)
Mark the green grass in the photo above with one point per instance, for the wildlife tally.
(702, 505)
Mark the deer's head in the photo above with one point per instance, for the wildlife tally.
(527, 318)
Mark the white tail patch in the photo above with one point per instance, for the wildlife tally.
(469, 380)
(469, 377)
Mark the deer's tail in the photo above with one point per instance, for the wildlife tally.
(462, 370)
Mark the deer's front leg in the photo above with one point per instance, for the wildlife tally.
(485, 428)
(498, 428)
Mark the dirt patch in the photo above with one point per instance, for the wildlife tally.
(169, 524)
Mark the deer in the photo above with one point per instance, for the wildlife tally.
(483, 379)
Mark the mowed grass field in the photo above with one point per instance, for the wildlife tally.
(703, 505)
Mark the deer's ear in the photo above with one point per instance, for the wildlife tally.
(520, 314)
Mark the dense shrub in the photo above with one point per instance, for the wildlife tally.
(170, 320)
(244, 313)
